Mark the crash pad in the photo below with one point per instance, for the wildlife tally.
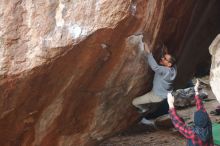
(216, 133)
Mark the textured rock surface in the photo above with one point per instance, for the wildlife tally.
(66, 76)
(69, 69)
(214, 50)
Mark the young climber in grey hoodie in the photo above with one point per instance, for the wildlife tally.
(165, 73)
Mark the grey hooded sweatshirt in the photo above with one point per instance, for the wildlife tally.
(163, 78)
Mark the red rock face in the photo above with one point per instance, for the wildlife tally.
(70, 69)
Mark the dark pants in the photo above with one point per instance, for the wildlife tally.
(161, 110)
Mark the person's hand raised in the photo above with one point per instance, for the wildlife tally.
(196, 87)
(170, 100)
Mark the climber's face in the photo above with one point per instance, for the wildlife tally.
(165, 60)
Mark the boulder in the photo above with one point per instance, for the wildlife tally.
(214, 50)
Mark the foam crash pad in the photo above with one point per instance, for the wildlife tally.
(216, 133)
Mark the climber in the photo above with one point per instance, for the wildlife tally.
(201, 133)
(165, 74)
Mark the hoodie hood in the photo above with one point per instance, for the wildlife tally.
(204, 133)
(201, 118)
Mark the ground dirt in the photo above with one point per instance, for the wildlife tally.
(142, 135)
